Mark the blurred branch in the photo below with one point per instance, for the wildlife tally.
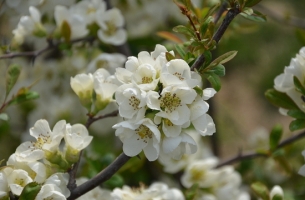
(37, 53)
(91, 120)
(101, 177)
(289, 20)
(231, 14)
(221, 10)
(245, 156)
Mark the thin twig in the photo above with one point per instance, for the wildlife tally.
(249, 155)
(37, 53)
(231, 14)
(101, 177)
(91, 120)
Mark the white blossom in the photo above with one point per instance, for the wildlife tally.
(111, 26)
(61, 181)
(107, 61)
(4, 189)
(17, 180)
(95, 194)
(142, 135)
(88, 8)
(50, 191)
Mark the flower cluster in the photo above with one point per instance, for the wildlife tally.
(159, 98)
(42, 162)
(285, 81)
(88, 17)
(221, 184)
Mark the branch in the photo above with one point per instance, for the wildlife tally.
(221, 10)
(231, 14)
(245, 156)
(101, 177)
(289, 20)
(91, 120)
(37, 53)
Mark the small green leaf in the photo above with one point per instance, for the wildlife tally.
(169, 56)
(298, 85)
(198, 90)
(4, 117)
(180, 50)
(275, 136)
(184, 30)
(224, 58)
(247, 11)
(298, 114)
(215, 81)
(260, 190)
(22, 97)
(277, 197)
(297, 124)
(280, 99)
(190, 194)
(256, 16)
(12, 75)
(30, 191)
(250, 3)
(66, 31)
(204, 26)
(219, 70)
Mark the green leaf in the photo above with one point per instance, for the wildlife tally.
(184, 30)
(180, 50)
(224, 58)
(204, 26)
(277, 197)
(198, 90)
(4, 117)
(297, 124)
(280, 99)
(66, 31)
(22, 97)
(260, 190)
(190, 194)
(215, 81)
(12, 75)
(250, 3)
(256, 16)
(169, 56)
(219, 70)
(247, 11)
(275, 136)
(298, 85)
(298, 114)
(30, 191)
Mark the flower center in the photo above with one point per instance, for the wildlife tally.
(134, 102)
(144, 132)
(169, 102)
(168, 122)
(146, 79)
(41, 140)
(179, 75)
(197, 174)
(101, 64)
(20, 181)
(111, 28)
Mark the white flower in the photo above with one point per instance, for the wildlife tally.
(175, 147)
(111, 26)
(47, 141)
(50, 191)
(107, 61)
(4, 189)
(95, 194)
(131, 101)
(104, 88)
(276, 190)
(60, 180)
(176, 72)
(17, 180)
(201, 121)
(142, 135)
(172, 103)
(77, 138)
(36, 170)
(88, 8)
(284, 82)
(82, 85)
(76, 22)
(201, 172)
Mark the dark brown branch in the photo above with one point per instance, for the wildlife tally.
(91, 120)
(101, 177)
(250, 155)
(291, 20)
(231, 14)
